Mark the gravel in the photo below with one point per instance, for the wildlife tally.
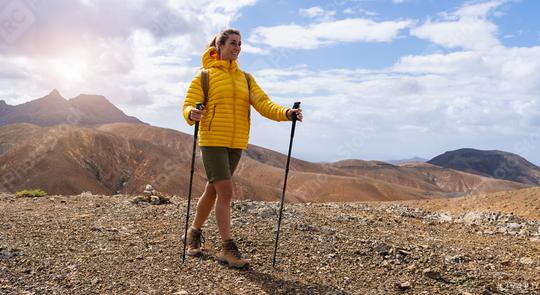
(93, 244)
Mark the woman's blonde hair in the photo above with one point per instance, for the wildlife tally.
(222, 37)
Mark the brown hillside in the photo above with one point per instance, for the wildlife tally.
(426, 177)
(523, 202)
(124, 157)
(66, 159)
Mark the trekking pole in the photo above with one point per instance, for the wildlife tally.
(293, 117)
(199, 107)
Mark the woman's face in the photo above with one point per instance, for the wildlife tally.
(231, 49)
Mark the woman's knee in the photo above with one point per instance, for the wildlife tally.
(224, 190)
(209, 190)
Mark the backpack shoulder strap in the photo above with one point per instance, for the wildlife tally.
(204, 83)
(248, 79)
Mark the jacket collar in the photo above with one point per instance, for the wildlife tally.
(210, 59)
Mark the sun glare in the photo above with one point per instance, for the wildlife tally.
(70, 70)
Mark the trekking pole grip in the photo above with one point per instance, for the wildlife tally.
(296, 105)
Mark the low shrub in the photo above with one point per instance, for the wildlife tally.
(31, 193)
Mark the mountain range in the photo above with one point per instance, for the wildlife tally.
(53, 109)
(97, 155)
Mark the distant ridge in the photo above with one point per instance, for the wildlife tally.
(404, 161)
(496, 164)
(53, 109)
(124, 157)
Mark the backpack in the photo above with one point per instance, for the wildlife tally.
(205, 84)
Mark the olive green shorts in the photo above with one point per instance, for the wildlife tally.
(220, 162)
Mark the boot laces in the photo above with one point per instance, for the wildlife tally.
(197, 239)
(234, 250)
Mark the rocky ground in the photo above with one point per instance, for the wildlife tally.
(89, 244)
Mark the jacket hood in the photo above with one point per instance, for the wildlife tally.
(210, 59)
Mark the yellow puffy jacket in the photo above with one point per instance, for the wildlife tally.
(226, 122)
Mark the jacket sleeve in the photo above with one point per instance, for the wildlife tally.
(264, 105)
(194, 95)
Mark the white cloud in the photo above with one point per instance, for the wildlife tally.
(398, 1)
(425, 104)
(457, 62)
(466, 28)
(464, 33)
(479, 10)
(317, 12)
(247, 48)
(137, 54)
(327, 33)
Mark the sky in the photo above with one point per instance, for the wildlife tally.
(378, 79)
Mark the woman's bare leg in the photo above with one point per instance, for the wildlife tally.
(204, 206)
(224, 190)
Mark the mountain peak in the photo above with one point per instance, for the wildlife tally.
(55, 92)
(53, 96)
(492, 163)
(90, 98)
(54, 109)
(4, 107)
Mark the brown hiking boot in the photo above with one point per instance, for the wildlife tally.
(194, 242)
(231, 255)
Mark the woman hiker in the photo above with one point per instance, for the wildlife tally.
(223, 134)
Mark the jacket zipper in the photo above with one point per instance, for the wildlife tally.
(234, 109)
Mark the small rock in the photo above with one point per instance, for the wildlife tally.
(382, 249)
(403, 286)
(148, 190)
(266, 212)
(513, 228)
(140, 199)
(154, 200)
(86, 194)
(506, 262)
(526, 260)
(472, 218)
(443, 217)
(404, 252)
(181, 292)
(411, 267)
(6, 253)
(432, 274)
(457, 259)
(328, 230)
